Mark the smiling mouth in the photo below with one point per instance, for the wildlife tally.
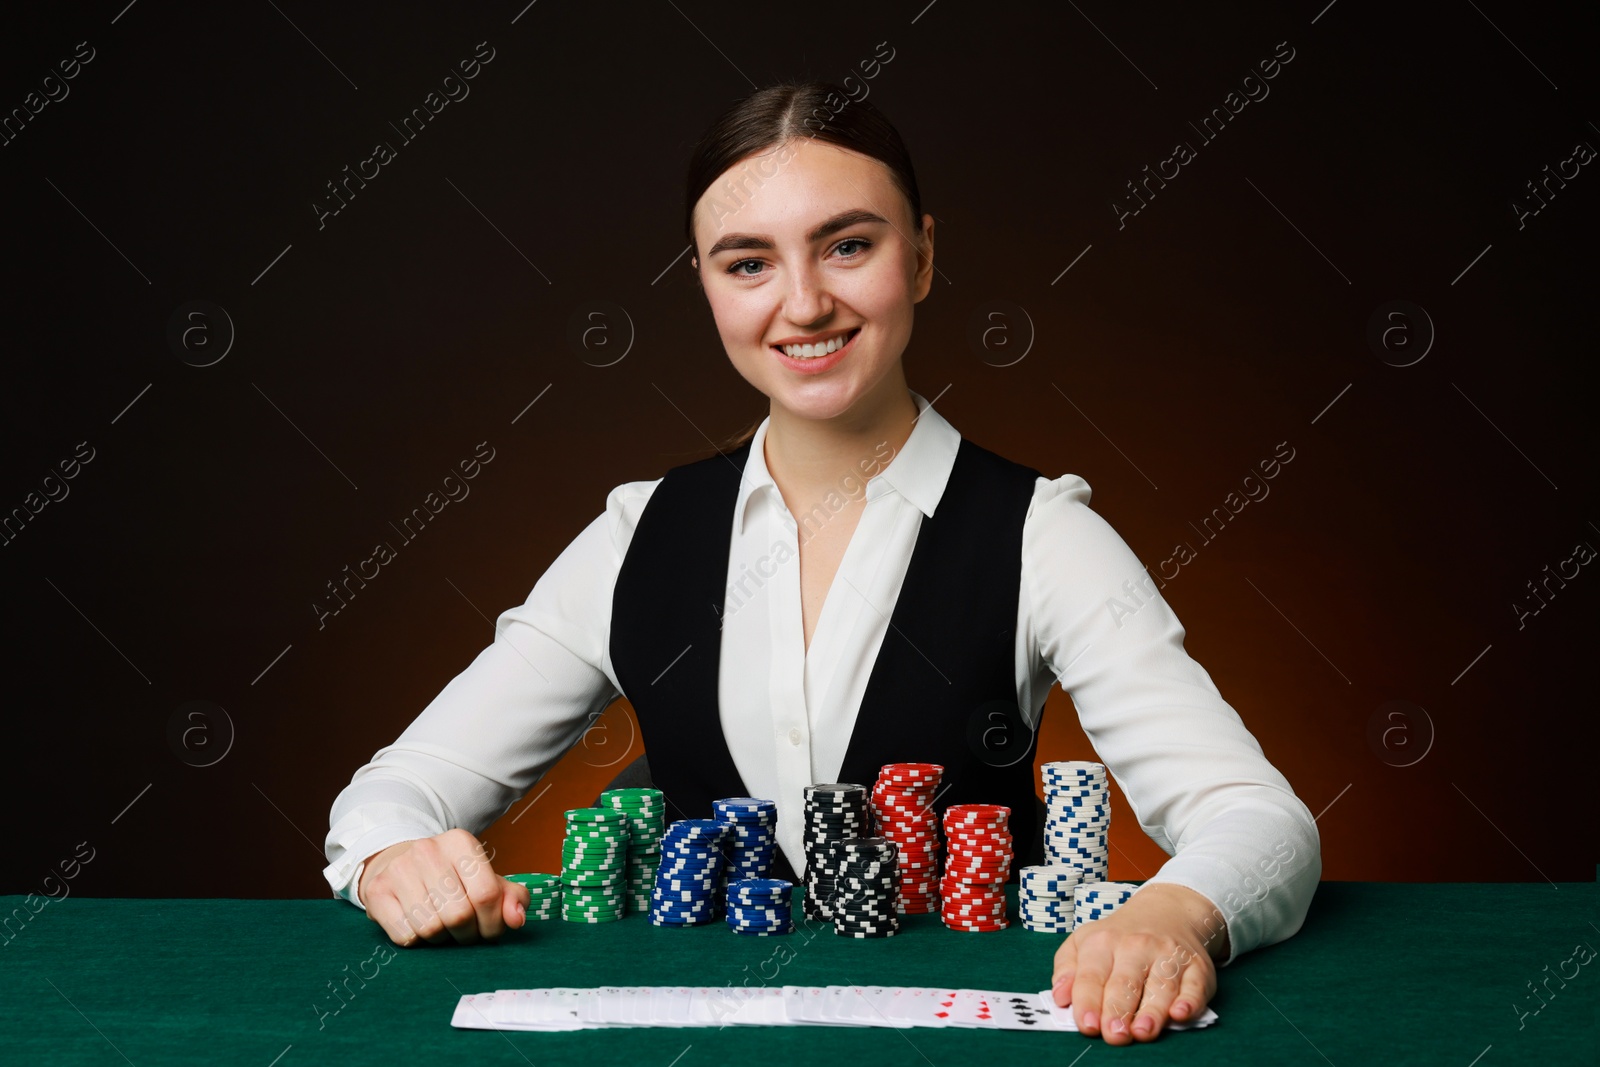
(817, 351)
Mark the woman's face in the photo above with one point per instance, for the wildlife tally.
(818, 245)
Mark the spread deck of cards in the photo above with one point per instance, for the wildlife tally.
(898, 1007)
(873, 854)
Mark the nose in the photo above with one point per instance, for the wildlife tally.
(807, 299)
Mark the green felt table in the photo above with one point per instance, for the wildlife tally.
(1381, 974)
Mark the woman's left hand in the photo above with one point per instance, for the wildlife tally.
(1150, 960)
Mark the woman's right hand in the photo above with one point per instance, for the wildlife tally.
(440, 889)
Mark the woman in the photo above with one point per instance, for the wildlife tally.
(850, 584)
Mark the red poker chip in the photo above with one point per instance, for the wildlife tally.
(968, 834)
(980, 848)
(973, 910)
(970, 893)
(970, 928)
(906, 806)
(971, 884)
(977, 811)
(998, 871)
(919, 859)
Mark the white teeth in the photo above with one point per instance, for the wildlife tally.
(813, 351)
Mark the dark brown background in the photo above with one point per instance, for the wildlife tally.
(1223, 319)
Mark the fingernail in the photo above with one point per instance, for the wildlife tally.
(1143, 1024)
(522, 912)
(1091, 1020)
(1116, 1025)
(1063, 982)
(1180, 1008)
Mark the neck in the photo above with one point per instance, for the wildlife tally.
(809, 455)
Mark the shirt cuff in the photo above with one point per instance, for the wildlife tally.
(344, 874)
(1260, 905)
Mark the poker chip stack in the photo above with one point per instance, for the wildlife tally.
(1096, 900)
(685, 893)
(1078, 817)
(594, 866)
(646, 811)
(902, 806)
(752, 838)
(1045, 898)
(866, 887)
(834, 812)
(544, 894)
(759, 907)
(973, 889)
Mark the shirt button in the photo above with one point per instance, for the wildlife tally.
(794, 736)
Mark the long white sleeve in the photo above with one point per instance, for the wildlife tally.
(1195, 777)
(499, 725)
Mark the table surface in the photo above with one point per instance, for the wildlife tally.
(1381, 973)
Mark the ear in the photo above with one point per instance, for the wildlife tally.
(922, 280)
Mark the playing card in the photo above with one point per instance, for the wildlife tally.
(1020, 1011)
(927, 1007)
(562, 1008)
(966, 1008)
(1064, 1020)
(841, 1004)
(868, 1007)
(473, 1012)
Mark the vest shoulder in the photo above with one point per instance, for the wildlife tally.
(995, 465)
(730, 464)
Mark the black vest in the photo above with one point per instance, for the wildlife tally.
(942, 689)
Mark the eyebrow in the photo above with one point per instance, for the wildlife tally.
(841, 221)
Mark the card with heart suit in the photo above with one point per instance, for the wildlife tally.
(900, 1007)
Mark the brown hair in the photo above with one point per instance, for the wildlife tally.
(784, 112)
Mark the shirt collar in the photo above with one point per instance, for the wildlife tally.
(918, 472)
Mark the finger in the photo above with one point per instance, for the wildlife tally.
(1066, 965)
(1160, 988)
(384, 909)
(457, 910)
(1089, 983)
(1195, 990)
(422, 914)
(485, 895)
(1124, 990)
(514, 900)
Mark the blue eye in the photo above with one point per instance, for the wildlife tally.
(736, 268)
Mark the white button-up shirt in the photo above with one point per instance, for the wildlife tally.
(1193, 774)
